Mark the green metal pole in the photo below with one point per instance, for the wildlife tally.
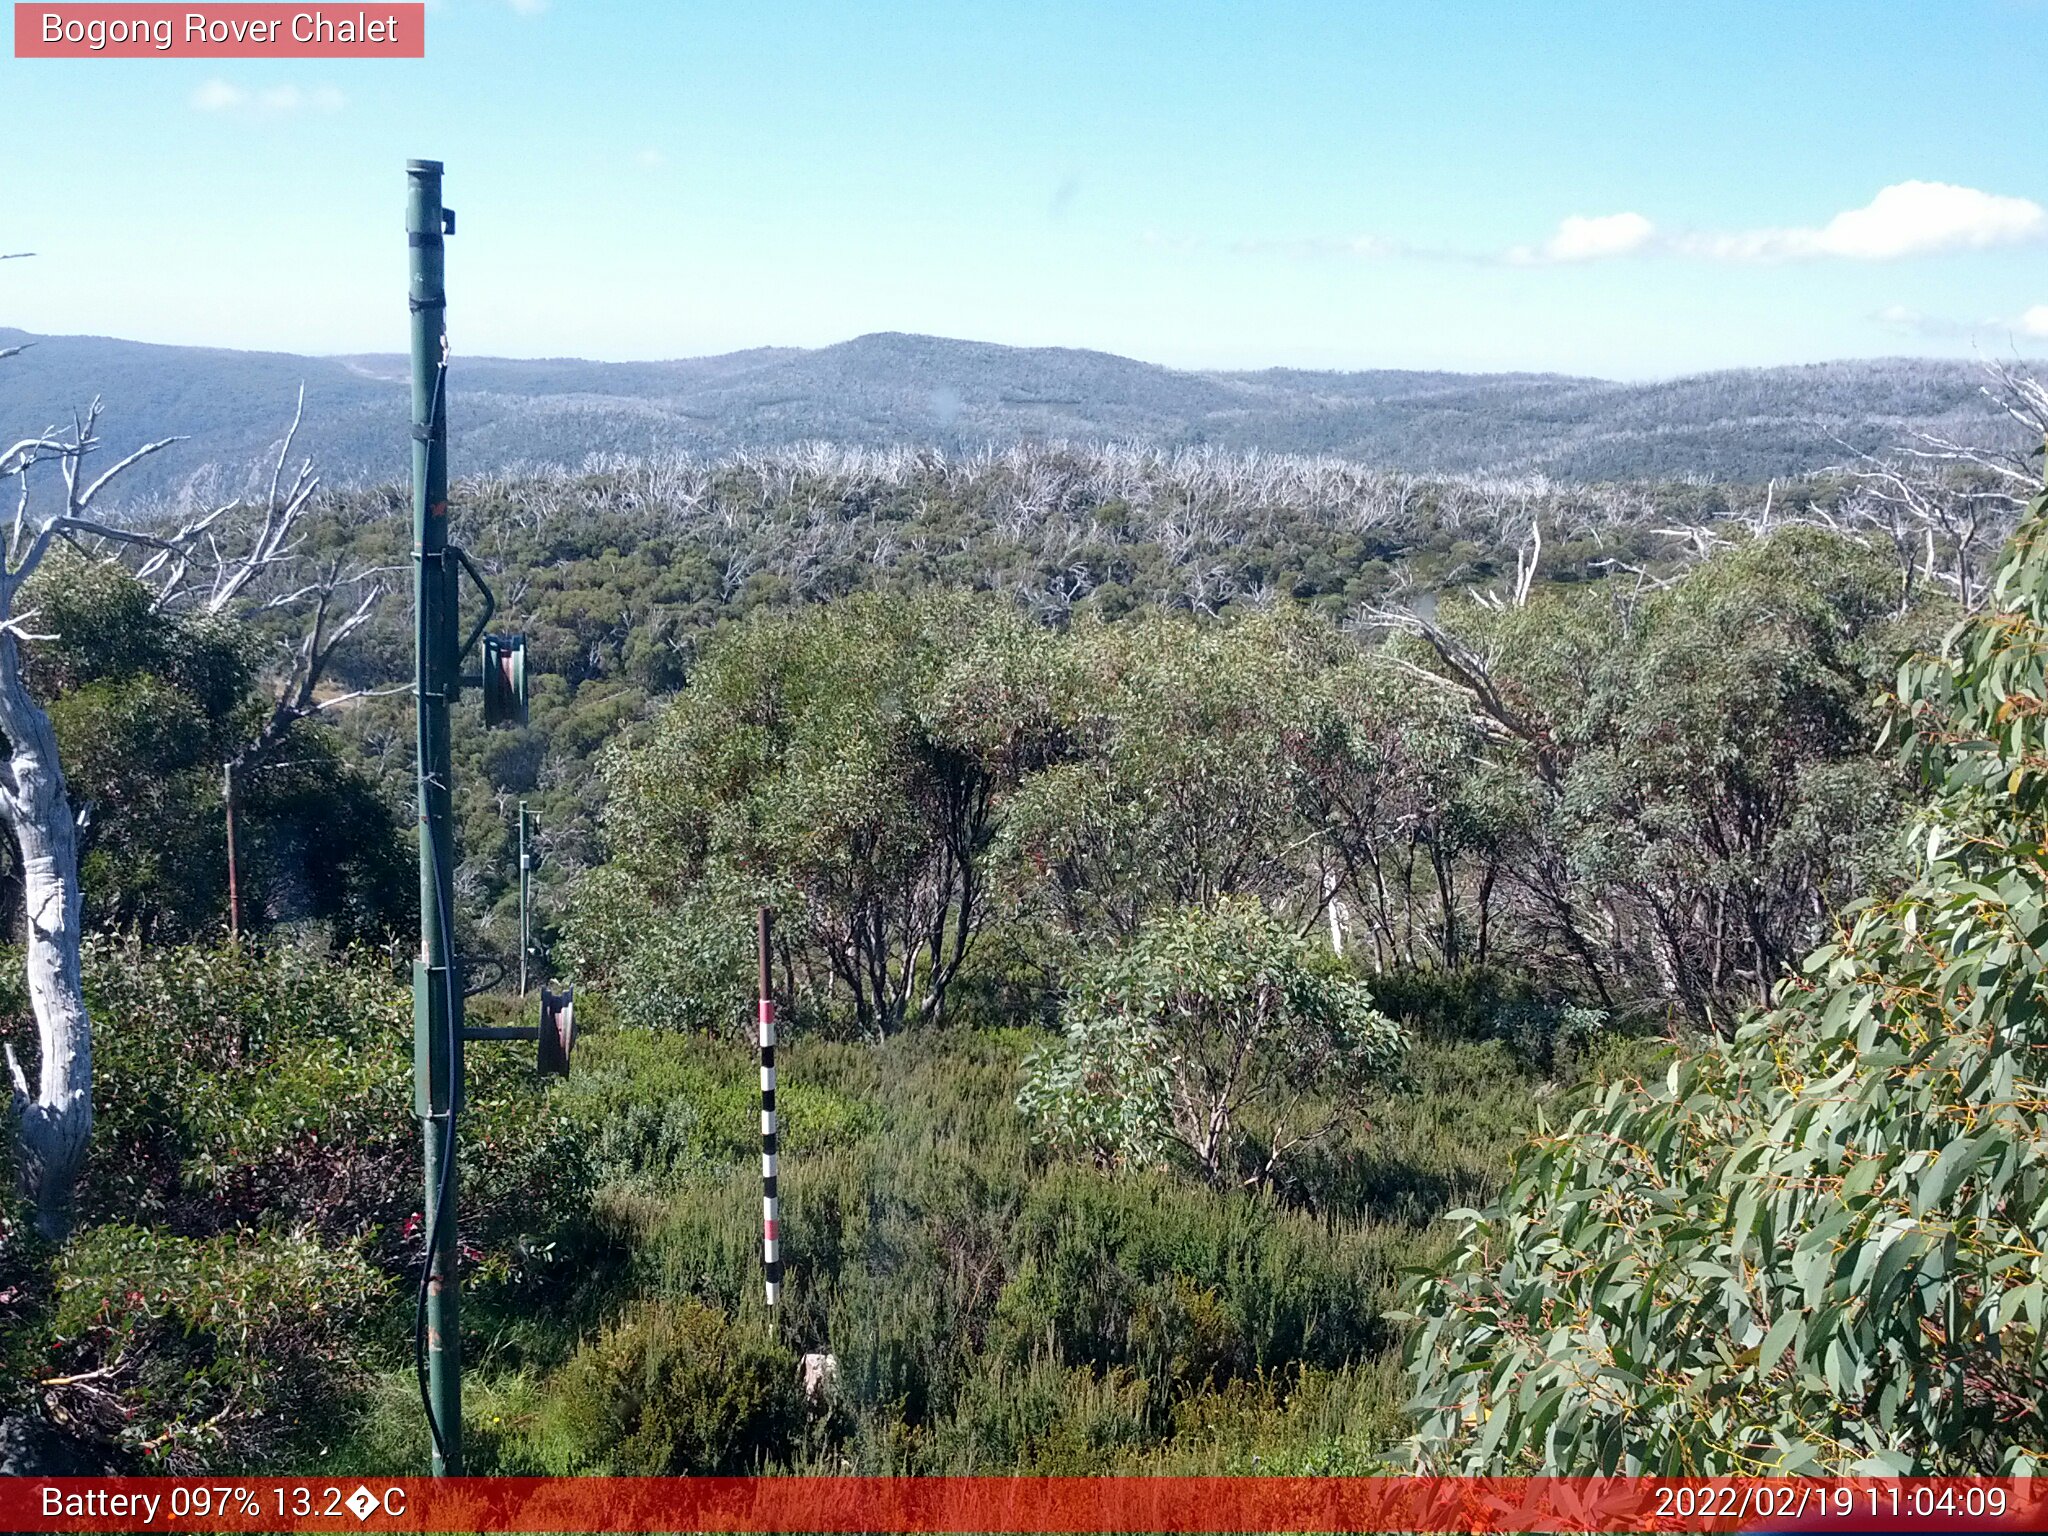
(437, 999)
(525, 873)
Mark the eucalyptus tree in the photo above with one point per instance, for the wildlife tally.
(147, 706)
(1207, 1025)
(1945, 506)
(1415, 814)
(846, 764)
(1816, 1247)
(247, 558)
(1702, 791)
(1185, 784)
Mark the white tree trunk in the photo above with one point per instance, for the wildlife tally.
(55, 1116)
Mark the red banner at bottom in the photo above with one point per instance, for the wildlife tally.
(1019, 1504)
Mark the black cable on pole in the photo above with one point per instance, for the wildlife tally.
(433, 1233)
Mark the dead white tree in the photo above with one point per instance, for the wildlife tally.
(1947, 506)
(53, 1114)
(246, 557)
(238, 557)
(1528, 559)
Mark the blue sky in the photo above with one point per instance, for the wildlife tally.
(1630, 189)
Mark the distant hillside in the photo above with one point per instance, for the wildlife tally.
(890, 388)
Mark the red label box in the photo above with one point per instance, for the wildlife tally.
(367, 29)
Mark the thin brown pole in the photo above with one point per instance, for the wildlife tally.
(227, 791)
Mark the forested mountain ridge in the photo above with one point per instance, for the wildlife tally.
(894, 389)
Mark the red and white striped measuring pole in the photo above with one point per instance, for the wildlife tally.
(771, 1203)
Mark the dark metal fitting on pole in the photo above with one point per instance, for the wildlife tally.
(557, 1031)
(504, 680)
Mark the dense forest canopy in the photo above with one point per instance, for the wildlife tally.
(622, 577)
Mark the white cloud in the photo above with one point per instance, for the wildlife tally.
(1914, 217)
(528, 7)
(275, 100)
(1369, 247)
(218, 96)
(650, 159)
(1909, 218)
(2032, 324)
(1580, 238)
(1913, 322)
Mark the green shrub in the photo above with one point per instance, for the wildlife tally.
(1486, 1003)
(1042, 1418)
(192, 1353)
(238, 1082)
(1184, 1286)
(1011, 979)
(658, 1103)
(675, 1388)
(1546, 1034)
(1209, 1024)
(1461, 1003)
(682, 962)
(1446, 1137)
(247, 1083)
(251, 1204)
(1294, 1423)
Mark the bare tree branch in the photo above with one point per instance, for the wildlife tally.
(1473, 674)
(24, 453)
(84, 499)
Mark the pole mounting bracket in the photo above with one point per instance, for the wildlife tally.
(490, 601)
